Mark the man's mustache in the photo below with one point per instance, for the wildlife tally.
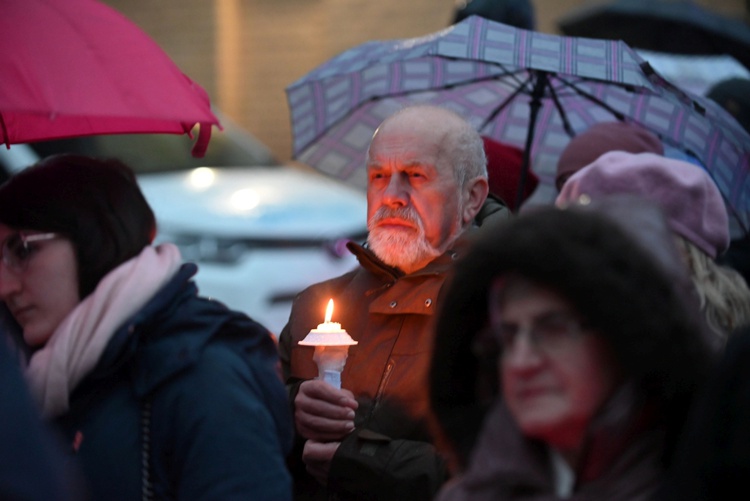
(405, 213)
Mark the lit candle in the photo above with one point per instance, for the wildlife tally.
(331, 344)
(327, 325)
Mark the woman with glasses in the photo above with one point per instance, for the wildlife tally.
(567, 351)
(158, 392)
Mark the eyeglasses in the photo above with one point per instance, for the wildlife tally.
(548, 333)
(18, 249)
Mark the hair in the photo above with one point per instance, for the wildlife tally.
(96, 204)
(467, 154)
(724, 296)
(463, 144)
(620, 289)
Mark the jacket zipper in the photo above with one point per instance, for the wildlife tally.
(383, 384)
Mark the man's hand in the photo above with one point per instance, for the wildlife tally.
(317, 457)
(322, 412)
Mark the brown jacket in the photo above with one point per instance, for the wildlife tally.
(390, 453)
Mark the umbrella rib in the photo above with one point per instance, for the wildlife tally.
(505, 103)
(617, 114)
(537, 93)
(563, 116)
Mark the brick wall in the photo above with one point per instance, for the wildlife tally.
(245, 52)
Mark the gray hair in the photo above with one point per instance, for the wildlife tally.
(467, 154)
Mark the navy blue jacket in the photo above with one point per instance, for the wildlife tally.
(192, 390)
(32, 465)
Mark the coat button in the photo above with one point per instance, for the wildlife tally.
(393, 304)
(428, 302)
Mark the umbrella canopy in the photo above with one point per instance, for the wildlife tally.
(78, 67)
(680, 27)
(529, 89)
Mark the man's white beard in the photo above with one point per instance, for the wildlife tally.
(401, 248)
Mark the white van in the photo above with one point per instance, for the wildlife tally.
(259, 232)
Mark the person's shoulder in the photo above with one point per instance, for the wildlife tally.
(179, 336)
(225, 355)
(737, 352)
(228, 363)
(328, 287)
(493, 209)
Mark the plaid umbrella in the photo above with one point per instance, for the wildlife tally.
(530, 89)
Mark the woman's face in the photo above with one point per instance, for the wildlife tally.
(38, 281)
(555, 375)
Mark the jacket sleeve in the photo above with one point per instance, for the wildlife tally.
(371, 466)
(713, 458)
(230, 427)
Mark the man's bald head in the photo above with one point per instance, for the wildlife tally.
(461, 144)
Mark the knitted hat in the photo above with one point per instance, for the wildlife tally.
(96, 204)
(686, 193)
(504, 172)
(601, 138)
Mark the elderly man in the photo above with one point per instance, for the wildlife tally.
(427, 183)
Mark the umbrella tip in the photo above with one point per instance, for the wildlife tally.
(201, 144)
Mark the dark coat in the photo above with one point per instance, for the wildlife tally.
(713, 462)
(192, 388)
(622, 461)
(32, 463)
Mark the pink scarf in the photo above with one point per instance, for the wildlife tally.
(75, 347)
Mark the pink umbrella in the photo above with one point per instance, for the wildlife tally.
(78, 67)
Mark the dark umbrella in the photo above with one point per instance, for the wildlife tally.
(679, 27)
(518, 13)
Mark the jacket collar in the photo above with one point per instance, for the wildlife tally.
(623, 436)
(375, 265)
(493, 209)
(168, 336)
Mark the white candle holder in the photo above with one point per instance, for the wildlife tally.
(331, 344)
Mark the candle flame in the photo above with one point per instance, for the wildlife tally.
(329, 311)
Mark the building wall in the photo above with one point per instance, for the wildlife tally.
(246, 52)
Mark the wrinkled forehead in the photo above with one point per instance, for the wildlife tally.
(411, 142)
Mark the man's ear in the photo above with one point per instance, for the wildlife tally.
(475, 193)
